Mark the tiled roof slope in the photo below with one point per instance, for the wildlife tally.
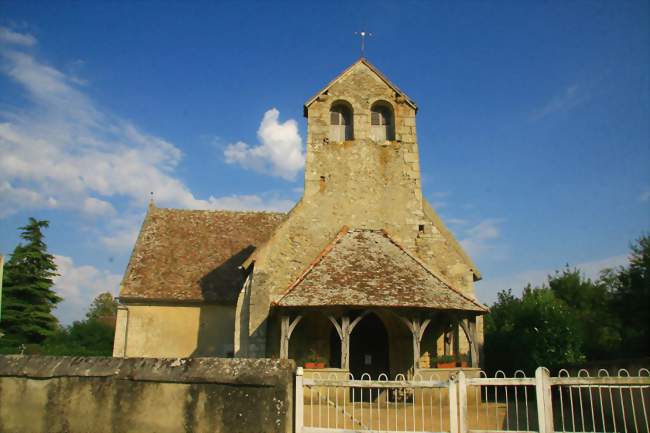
(366, 268)
(192, 255)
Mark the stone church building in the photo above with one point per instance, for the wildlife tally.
(361, 272)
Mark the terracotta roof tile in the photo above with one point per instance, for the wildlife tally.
(191, 255)
(365, 268)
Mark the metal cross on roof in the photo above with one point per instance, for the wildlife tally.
(363, 35)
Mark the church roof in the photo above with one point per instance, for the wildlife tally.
(367, 268)
(377, 72)
(194, 255)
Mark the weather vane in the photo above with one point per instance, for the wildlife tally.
(363, 35)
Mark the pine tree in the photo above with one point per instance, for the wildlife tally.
(28, 298)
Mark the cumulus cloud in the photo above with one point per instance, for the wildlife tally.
(78, 285)
(280, 152)
(66, 152)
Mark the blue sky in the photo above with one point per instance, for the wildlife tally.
(533, 121)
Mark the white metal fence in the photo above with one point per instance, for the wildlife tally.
(424, 403)
(332, 404)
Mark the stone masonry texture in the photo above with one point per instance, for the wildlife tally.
(108, 395)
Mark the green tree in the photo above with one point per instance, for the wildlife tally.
(83, 338)
(630, 290)
(28, 298)
(90, 337)
(104, 305)
(537, 329)
(591, 304)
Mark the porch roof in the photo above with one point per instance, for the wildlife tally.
(367, 268)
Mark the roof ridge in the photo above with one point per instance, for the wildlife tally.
(172, 209)
(442, 279)
(328, 248)
(374, 69)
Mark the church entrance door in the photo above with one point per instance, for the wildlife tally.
(369, 348)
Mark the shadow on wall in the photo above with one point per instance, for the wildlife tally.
(220, 288)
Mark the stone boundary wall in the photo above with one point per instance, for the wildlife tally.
(76, 394)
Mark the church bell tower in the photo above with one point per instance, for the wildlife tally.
(362, 153)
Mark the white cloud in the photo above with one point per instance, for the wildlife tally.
(488, 288)
(21, 198)
(280, 152)
(122, 240)
(478, 240)
(8, 36)
(571, 97)
(93, 206)
(78, 286)
(66, 152)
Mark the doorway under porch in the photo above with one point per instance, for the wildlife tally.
(376, 341)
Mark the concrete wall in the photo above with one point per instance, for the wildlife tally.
(66, 394)
(174, 331)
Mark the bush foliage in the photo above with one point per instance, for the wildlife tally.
(570, 319)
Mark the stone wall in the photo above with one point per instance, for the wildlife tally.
(72, 394)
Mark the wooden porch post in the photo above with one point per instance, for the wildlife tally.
(456, 342)
(469, 327)
(473, 347)
(345, 342)
(448, 341)
(284, 337)
(417, 327)
(286, 329)
(344, 329)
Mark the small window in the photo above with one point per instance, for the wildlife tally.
(382, 126)
(341, 123)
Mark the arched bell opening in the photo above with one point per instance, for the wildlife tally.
(341, 122)
(382, 121)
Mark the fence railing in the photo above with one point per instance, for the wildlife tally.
(462, 404)
(332, 404)
(601, 404)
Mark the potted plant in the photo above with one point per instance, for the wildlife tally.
(314, 360)
(445, 361)
(451, 361)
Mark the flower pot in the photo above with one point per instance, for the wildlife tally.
(462, 364)
(314, 365)
(450, 364)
